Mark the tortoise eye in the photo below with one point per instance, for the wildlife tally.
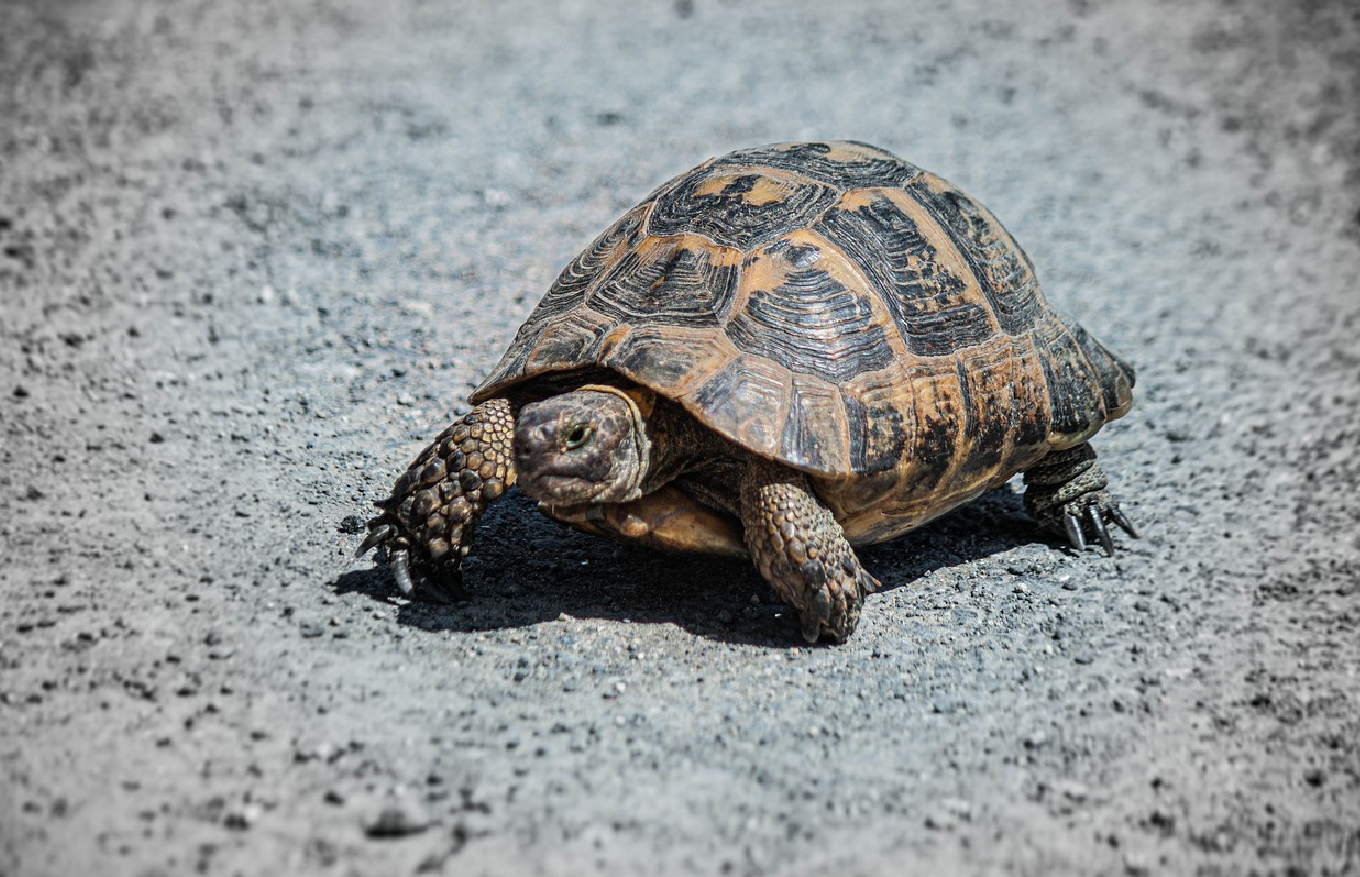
(579, 435)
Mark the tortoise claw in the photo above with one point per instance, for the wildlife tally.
(1124, 523)
(1097, 522)
(375, 536)
(816, 616)
(1072, 527)
(446, 586)
(401, 571)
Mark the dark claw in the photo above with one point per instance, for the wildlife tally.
(1097, 522)
(376, 535)
(401, 571)
(1124, 523)
(817, 615)
(1072, 527)
(447, 586)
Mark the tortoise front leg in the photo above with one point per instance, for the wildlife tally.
(1066, 492)
(802, 552)
(426, 525)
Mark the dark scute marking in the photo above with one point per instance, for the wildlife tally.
(1115, 389)
(667, 286)
(744, 401)
(801, 257)
(741, 185)
(1004, 272)
(728, 218)
(925, 299)
(932, 453)
(571, 342)
(810, 160)
(812, 324)
(580, 273)
(811, 437)
(877, 438)
(659, 365)
(1114, 376)
(664, 360)
(1029, 398)
(857, 425)
(938, 427)
(1074, 398)
(987, 414)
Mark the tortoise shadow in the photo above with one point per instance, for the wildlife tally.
(526, 570)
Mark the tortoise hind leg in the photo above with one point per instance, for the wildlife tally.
(426, 525)
(1066, 492)
(802, 552)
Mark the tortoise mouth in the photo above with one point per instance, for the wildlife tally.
(545, 486)
(560, 488)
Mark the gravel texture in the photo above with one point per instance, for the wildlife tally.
(253, 254)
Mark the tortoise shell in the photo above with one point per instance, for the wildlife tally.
(833, 307)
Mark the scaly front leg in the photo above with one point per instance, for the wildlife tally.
(802, 552)
(426, 525)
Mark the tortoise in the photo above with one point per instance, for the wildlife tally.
(786, 352)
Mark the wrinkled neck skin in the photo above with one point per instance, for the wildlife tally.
(678, 444)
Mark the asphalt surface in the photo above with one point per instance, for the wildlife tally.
(253, 254)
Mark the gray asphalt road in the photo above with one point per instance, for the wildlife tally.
(255, 253)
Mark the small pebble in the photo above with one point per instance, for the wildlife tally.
(242, 817)
(1072, 790)
(958, 808)
(940, 820)
(313, 751)
(397, 819)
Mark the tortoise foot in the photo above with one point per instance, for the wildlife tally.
(426, 526)
(803, 553)
(1067, 493)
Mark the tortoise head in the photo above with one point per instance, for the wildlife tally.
(589, 445)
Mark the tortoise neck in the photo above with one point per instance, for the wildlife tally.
(679, 444)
